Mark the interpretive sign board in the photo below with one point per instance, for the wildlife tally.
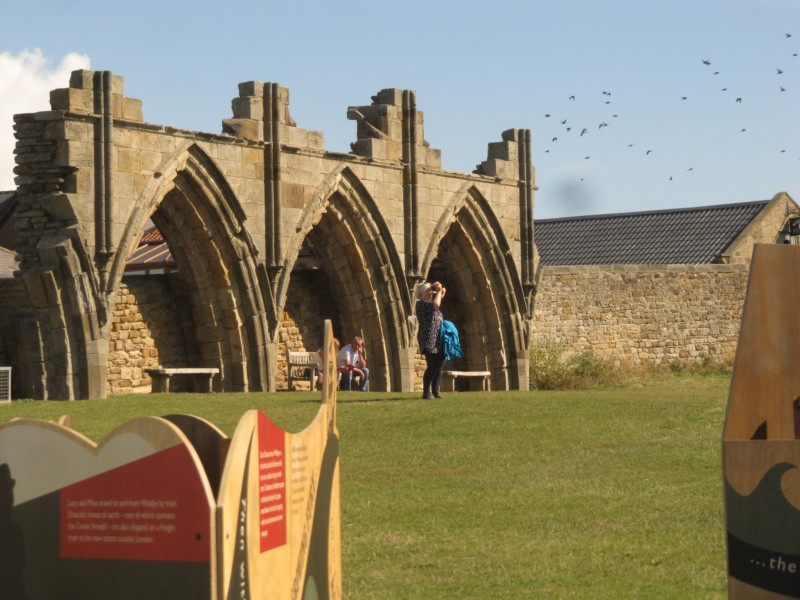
(761, 438)
(278, 506)
(130, 518)
(168, 507)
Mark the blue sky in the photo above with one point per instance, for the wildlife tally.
(478, 68)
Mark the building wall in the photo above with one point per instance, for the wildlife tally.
(642, 314)
(149, 329)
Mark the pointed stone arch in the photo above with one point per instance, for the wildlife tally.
(201, 219)
(346, 227)
(65, 333)
(487, 295)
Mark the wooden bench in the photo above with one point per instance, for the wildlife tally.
(203, 378)
(302, 366)
(485, 377)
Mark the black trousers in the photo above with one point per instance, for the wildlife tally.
(432, 377)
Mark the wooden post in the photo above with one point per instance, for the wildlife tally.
(761, 451)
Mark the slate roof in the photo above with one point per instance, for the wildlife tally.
(678, 236)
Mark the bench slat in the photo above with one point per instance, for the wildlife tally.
(484, 375)
(161, 377)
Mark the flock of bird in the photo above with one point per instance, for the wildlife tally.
(570, 129)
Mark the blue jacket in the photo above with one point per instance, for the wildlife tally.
(448, 341)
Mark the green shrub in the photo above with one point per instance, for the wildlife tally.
(549, 371)
(707, 365)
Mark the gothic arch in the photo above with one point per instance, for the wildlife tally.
(65, 333)
(199, 216)
(488, 296)
(345, 226)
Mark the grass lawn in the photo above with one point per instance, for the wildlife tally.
(610, 493)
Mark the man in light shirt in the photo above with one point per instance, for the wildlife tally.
(351, 361)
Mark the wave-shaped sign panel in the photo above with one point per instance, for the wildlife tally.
(168, 507)
(278, 506)
(130, 518)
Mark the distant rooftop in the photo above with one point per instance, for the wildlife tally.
(151, 256)
(677, 236)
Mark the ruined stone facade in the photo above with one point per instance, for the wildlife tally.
(239, 209)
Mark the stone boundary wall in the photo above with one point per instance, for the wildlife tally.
(642, 314)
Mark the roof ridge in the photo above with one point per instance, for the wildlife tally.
(654, 212)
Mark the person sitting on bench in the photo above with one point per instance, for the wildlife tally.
(351, 361)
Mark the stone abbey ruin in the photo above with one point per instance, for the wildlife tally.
(271, 234)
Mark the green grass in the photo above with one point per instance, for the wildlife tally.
(609, 493)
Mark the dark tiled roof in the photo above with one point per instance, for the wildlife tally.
(678, 236)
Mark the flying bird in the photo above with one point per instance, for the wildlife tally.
(555, 139)
(788, 35)
(783, 89)
(572, 97)
(583, 131)
(706, 62)
(648, 152)
(739, 100)
(564, 122)
(779, 72)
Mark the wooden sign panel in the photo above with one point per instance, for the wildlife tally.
(761, 449)
(278, 506)
(136, 516)
(130, 518)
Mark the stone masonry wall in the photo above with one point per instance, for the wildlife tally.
(642, 314)
(13, 309)
(149, 329)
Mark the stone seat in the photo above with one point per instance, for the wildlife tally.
(202, 377)
(485, 376)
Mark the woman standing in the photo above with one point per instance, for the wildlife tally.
(429, 316)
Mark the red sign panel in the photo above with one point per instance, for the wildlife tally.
(271, 484)
(154, 508)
